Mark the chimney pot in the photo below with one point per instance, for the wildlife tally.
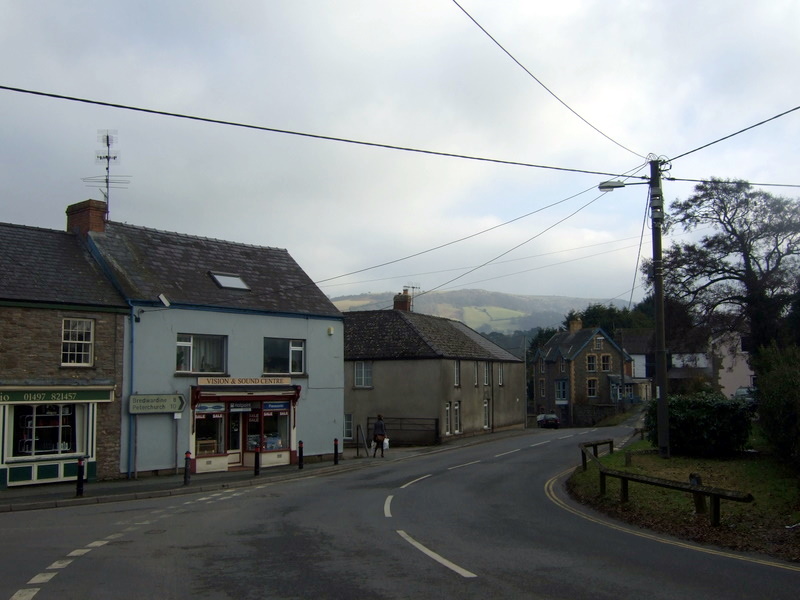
(403, 301)
(86, 216)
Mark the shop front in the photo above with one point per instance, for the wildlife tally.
(46, 430)
(237, 422)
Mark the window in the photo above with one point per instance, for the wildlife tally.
(363, 374)
(487, 423)
(541, 365)
(209, 425)
(486, 370)
(447, 428)
(591, 362)
(44, 429)
(284, 356)
(598, 343)
(456, 417)
(561, 390)
(347, 432)
(629, 390)
(77, 342)
(229, 281)
(605, 362)
(457, 373)
(541, 388)
(200, 353)
(476, 373)
(562, 365)
(499, 373)
(591, 388)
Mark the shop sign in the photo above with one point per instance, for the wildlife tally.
(276, 406)
(54, 395)
(244, 380)
(141, 404)
(238, 407)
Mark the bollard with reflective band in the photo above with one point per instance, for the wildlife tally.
(79, 483)
(187, 467)
(336, 451)
(300, 455)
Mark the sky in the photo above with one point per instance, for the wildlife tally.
(580, 85)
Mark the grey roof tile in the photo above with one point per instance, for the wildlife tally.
(49, 266)
(396, 334)
(147, 262)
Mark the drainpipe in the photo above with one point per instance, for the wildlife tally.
(131, 428)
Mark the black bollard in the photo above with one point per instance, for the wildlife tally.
(187, 467)
(299, 455)
(79, 483)
(336, 451)
(257, 464)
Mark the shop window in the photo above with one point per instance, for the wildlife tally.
(272, 431)
(209, 423)
(77, 342)
(363, 374)
(44, 429)
(200, 353)
(284, 356)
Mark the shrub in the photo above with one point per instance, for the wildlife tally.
(778, 398)
(702, 424)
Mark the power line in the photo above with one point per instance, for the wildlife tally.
(736, 133)
(537, 80)
(315, 136)
(787, 185)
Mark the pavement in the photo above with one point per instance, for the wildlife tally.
(55, 495)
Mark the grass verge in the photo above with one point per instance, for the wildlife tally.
(764, 525)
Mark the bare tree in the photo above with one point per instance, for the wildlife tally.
(743, 276)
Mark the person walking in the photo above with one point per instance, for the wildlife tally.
(378, 435)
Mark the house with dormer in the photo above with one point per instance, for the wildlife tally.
(233, 356)
(581, 375)
(409, 367)
(62, 332)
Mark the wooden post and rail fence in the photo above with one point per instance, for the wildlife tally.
(695, 486)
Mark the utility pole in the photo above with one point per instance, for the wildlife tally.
(660, 381)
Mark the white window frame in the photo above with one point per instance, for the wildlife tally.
(456, 417)
(476, 373)
(589, 386)
(296, 349)
(606, 358)
(447, 429)
(541, 388)
(561, 389)
(499, 373)
(486, 415)
(457, 373)
(188, 344)
(591, 363)
(486, 371)
(76, 349)
(362, 374)
(598, 343)
(347, 426)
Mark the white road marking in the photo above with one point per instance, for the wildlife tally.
(60, 564)
(42, 578)
(430, 553)
(387, 507)
(504, 453)
(540, 443)
(567, 436)
(26, 594)
(97, 544)
(404, 486)
(474, 462)
(114, 536)
(584, 432)
(80, 552)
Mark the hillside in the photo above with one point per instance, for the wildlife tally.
(481, 310)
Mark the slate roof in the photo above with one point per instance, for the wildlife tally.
(400, 335)
(49, 266)
(636, 341)
(568, 344)
(147, 262)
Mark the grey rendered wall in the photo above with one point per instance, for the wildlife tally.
(319, 410)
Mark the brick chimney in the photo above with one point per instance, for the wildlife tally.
(575, 325)
(403, 301)
(86, 216)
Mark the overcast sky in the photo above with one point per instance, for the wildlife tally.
(655, 77)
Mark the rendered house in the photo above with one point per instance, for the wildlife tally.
(232, 354)
(581, 375)
(61, 360)
(408, 366)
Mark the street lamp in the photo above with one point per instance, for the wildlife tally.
(660, 381)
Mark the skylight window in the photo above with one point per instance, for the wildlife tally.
(229, 281)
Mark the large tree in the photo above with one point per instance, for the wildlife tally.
(743, 275)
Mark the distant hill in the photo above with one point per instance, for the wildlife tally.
(481, 310)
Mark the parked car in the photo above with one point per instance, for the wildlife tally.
(550, 421)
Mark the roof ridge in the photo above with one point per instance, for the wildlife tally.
(194, 236)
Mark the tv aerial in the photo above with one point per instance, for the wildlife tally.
(105, 182)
